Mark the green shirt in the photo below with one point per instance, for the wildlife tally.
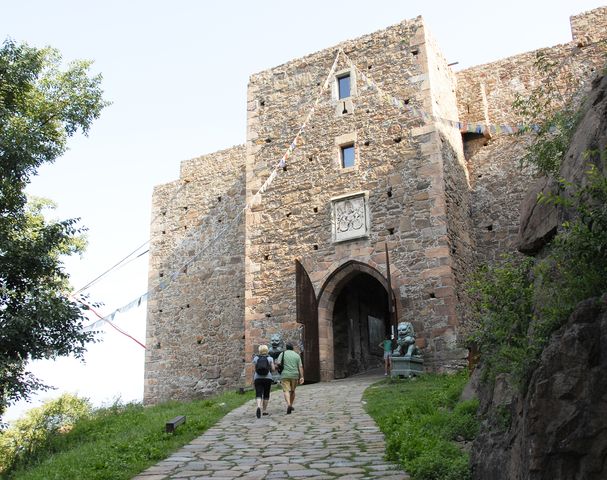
(387, 345)
(291, 362)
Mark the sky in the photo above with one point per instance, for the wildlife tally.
(176, 73)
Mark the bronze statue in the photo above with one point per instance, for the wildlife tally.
(405, 341)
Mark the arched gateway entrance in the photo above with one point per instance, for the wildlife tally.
(343, 327)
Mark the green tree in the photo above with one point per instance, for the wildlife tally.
(42, 104)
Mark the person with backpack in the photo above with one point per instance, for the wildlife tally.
(264, 366)
(292, 374)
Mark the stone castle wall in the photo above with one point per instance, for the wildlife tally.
(439, 203)
(398, 170)
(486, 94)
(196, 279)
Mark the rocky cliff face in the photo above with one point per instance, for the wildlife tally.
(559, 427)
(540, 221)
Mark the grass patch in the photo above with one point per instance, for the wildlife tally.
(424, 424)
(121, 441)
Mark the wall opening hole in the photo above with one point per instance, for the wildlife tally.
(266, 257)
(490, 228)
(389, 192)
(161, 274)
(432, 295)
(219, 199)
(262, 103)
(315, 247)
(268, 140)
(288, 214)
(268, 315)
(367, 143)
(414, 52)
(315, 209)
(391, 231)
(406, 101)
(398, 139)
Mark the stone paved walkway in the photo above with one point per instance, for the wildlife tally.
(328, 436)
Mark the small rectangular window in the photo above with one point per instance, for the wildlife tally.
(347, 156)
(343, 84)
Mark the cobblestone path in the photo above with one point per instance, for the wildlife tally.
(328, 436)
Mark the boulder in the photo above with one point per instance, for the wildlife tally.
(558, 427)
(540, 221)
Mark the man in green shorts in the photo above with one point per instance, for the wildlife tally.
(292, 374)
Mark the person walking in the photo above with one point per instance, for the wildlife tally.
(386, 345)
(264, 366)
(292, 374)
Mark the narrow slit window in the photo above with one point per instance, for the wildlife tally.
(343, 84)
(347, 156)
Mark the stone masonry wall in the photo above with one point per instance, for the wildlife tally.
(196, 278)
(459, 246)
(589, 27)
(486, 94)
(398, 166)
(217, 291)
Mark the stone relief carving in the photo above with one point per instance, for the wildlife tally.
(350, 218)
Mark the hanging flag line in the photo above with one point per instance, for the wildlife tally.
(464, 127)
(471, 127)
(480, 128)
(123, 260)
(280, 164)
(99, 322)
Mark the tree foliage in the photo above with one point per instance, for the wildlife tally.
(42, 104)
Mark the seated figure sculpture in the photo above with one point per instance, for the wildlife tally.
(275, 346)
(274, 351)
(405, 341)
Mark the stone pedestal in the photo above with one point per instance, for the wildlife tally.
(407, 367)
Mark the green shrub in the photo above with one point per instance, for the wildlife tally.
(23, 442)
(519, 303)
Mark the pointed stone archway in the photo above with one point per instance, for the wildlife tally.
(350, 317)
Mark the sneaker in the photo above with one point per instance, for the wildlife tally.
(258, 412)
(289, 409)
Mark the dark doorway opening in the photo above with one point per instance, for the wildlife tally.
(360, 323)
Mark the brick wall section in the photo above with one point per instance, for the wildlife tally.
(195, 322)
